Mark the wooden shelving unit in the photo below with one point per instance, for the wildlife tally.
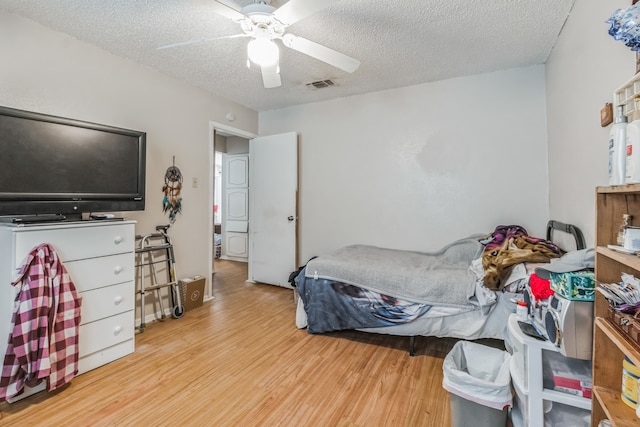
(610, 345)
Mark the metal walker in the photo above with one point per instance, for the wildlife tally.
(153, 249)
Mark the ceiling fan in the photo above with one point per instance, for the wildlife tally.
(265, 24)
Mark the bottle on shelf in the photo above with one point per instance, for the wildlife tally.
(632, 162)
(619, 158)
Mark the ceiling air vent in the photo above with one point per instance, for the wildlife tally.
(320, 84)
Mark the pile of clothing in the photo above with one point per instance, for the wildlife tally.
(508, 246)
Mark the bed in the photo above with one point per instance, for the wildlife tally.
(467, 289)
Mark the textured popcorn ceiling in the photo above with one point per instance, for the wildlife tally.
(399, 43)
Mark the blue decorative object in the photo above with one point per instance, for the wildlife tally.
(625, 26)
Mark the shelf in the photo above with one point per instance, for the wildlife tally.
(610, 344)
(517, 333)
(616, 410)
(630, 349)
(627, 95)
(632, 261)
(618, 189)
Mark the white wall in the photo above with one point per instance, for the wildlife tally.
(407, 168)
(237, 145)
(50, 72)
(417, 167)
(585, 67)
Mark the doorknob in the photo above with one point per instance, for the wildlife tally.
(290, 218)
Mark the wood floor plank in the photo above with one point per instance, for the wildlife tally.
(239, 360)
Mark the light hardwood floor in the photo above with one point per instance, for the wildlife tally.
(240, 361)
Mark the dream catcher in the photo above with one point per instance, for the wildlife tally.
(172, 201)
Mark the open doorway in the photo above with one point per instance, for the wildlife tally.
(273, 232)
(217, 205)
(227, 230)
(231, 212)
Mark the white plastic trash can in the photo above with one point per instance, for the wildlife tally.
(479, 382)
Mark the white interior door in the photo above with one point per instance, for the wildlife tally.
(236, 206)
(273, 187)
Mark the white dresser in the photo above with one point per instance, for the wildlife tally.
(99, 256)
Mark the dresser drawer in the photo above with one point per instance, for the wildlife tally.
(107, 332)
(96, 273)
(106, 302)
(72, 243)
(105, 355)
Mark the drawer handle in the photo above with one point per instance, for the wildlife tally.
(117, 330)
(117, 240)
(117, 300)
(117, 269)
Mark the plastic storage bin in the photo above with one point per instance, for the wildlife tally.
(555, 414)
(565, 374)
(577, 286)
(479, 382)
(558, 414)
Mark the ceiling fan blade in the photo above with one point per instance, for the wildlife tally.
(221, 8)
(202, 40)
(323, 53)
(270, 76)
(295, 10)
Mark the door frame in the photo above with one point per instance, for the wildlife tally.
(213, 127)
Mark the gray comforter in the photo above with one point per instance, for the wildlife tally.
(436, 278)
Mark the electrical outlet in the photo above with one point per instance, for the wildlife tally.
(194, 182)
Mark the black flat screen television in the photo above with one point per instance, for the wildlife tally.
(59, 166)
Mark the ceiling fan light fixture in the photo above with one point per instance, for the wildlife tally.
(263, 52)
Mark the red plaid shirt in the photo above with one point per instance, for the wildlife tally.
(43, 342)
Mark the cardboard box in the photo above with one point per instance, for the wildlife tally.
(192, 292)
